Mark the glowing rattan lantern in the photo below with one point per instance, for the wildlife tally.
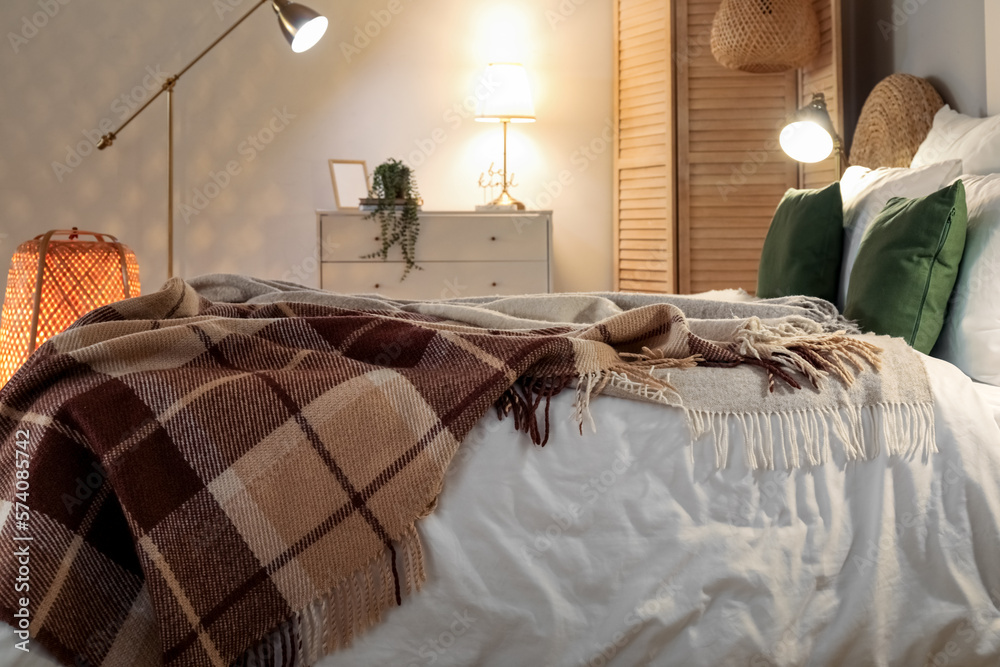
(53, 282)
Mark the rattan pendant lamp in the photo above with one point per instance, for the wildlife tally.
(765, 36)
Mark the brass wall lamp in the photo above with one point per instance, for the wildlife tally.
(301, 26)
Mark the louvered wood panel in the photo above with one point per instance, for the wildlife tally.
(731, 172)
(825, 75)
(644, 192)
(697, 168)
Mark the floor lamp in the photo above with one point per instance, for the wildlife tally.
(302, 28)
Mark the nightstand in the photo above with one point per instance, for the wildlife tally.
(462, 254)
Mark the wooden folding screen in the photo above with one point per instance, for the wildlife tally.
(644, 193)
(825, 75)
(698, 170)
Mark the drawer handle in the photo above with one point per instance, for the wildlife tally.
(377, 285)
(493, 238)
(378, 238)
(493, 285)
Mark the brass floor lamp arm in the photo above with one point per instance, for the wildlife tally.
(168, 88)
(219, 39)
(108, 139)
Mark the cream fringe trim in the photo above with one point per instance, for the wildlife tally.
(807, 437)
(630, 378)
(331, 621)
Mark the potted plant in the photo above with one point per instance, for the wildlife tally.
(394, 201)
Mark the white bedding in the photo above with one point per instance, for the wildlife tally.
(990, 396)
(622, 548)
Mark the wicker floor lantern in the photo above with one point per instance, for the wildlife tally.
(53, 281)
(764, 36)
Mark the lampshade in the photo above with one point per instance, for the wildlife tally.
(810, 136)
(53, 282)
(805, 141)
(301, 26)
(763, 36)
(508, 97)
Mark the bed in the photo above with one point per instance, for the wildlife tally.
(651, 528)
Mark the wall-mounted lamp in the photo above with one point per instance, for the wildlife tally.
(508, 102)
(810, 136)
(302, 28)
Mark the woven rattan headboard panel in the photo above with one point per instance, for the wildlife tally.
(894, 121)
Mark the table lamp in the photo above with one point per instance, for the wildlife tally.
(509, 101)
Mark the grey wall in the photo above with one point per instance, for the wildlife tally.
(943, 41)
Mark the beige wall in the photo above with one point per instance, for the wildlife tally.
(398, 93)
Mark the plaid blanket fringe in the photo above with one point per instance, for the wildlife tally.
(333, 620)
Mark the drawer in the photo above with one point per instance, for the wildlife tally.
(443, 238)
(438, 280)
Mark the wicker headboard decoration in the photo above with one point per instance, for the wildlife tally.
(894, 122)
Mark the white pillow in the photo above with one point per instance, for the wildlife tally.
(971, 335)
(865, 193)
(955, 136)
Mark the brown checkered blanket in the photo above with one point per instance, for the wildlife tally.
(199, 483)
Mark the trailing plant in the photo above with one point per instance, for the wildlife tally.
(396, 201)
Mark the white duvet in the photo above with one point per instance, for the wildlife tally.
(626, 547)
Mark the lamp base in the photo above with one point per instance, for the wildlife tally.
(498, 207)
(506, 202)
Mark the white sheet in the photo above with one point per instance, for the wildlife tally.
(622, 548)
(990, 396)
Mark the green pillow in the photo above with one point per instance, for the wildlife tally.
(803, 249)
(907, 266)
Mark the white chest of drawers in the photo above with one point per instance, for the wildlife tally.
(461, 255)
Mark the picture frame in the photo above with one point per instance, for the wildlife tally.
(350, 183)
